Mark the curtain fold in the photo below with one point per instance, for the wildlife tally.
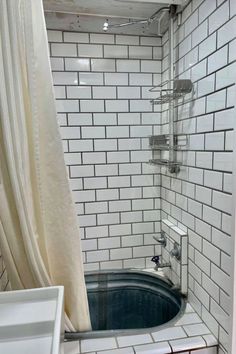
(39, 236)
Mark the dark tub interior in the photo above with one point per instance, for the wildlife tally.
(123, 300)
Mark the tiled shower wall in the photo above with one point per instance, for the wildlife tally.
(102, 86)
(199, 197)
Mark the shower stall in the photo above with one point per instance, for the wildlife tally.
(145, 100)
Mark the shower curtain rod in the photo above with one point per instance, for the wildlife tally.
(148, 20)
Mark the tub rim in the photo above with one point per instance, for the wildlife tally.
(129, 332)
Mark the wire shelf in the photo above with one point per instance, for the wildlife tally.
(171, 90)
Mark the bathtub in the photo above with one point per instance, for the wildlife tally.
(128, 302)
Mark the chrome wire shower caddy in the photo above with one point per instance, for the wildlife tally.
(171, 90)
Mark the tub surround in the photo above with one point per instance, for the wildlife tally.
(102, 86)
(198, 200)
(119, 198)
(178, 272)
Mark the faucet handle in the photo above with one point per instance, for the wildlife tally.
(156, 259)
(161, 240)
(176, 251)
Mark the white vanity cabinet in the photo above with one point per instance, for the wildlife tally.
(32, 321)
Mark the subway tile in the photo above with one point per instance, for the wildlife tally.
(226, 32)
(65, 78)
(129, 40)
(108, 219)
(107, 194)
(130, 169)
(104, 119)
(92, 105)
(104, 92)
(118, 157)
(223, 161)
(90, 50)
(104, 65)
(204, 159)
(214, 141)
(94, 157)
(211, 252)
(129, 119)
(117, 132)
(222, 201)
(106, 170)
(90, 78)
(212, 216)
(130, 193)
(63, 50)
(157, 348)
(111, 265)
(187, 343)
(96, 231)
(124, 341)
(120, 181)
(128, 66)
(129, 144)
(224, 119)
(227, 183)
(199, 33)
(157, 53)
(118, 79)
(206, 8)
(121, 253)
(84, 196)
(96, 207)
(140, 79)
(153, 41)
(78, 92)
(213, 179)
(79, 119)
(115, 51)
(140, 106)
(81, 171)
(206, 85)
(150, 66)
(169, 334)
(60, 92)
(67, 106)
(88, 345)
(57, 64)
(54, 36)
(105, 144)
(224, 76)
(219, 17)
(128, 92)
(207, 47)
(121, 205)
(216, 101)
(102, 38)
(93, 132)
(109, 243)
(117, 106)
(77, 64)
(137, 52)
(89, 245)
(76, 37)
(128, 217)
(72, 159)
(95, 183)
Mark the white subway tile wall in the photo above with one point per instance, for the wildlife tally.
(102, 87)
(202, 45)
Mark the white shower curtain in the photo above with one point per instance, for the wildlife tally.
(39, 237)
